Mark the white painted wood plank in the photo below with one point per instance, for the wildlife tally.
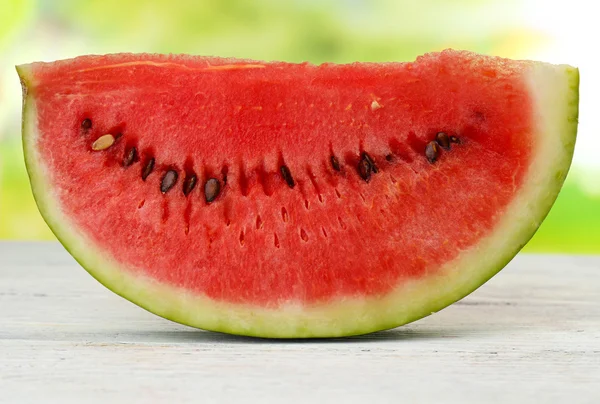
(531, 335)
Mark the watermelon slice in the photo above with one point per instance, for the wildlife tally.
(294, 200)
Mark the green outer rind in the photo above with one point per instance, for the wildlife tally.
(555, 90)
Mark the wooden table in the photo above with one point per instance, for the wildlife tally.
(532, 334)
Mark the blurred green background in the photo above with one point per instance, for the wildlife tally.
(299, 30)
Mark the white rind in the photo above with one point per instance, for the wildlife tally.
(554, 90)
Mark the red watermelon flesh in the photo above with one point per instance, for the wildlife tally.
(329, 200)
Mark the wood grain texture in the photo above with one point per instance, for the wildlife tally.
(531, 335)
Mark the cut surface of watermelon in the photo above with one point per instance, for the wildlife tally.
(294, 200)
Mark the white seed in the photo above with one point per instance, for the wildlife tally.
(103, 142)
(375, 105)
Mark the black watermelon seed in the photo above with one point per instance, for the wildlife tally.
(431, 152)
(130, 157)
(148, 169)
(443, 140)
(212, 188)
(389, 157)
(335, 163)
(287, 176)
(364, 169)
(454, 139)
(168, 181)
(86, 124)
(189, 184)
(366, 156)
